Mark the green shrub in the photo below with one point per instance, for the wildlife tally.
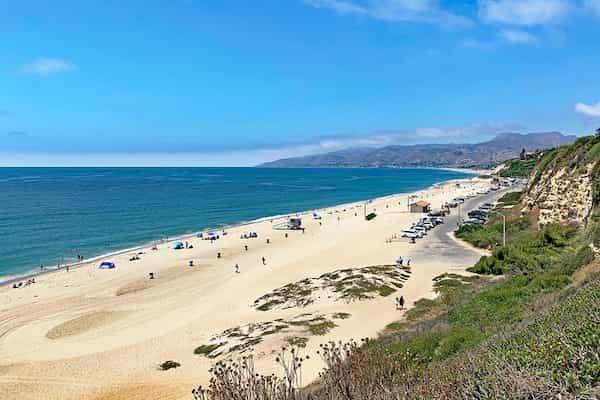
(168, 365)
(510, 199)
(530, 251)
(519, 168)
(489, 236)
(206, 349)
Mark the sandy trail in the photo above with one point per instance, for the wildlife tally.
(100, 334)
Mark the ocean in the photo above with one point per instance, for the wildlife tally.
(50, 215)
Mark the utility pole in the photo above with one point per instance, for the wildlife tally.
(503, 226)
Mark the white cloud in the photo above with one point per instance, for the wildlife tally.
(427, 11)
(473, 43)
(47, 66)
(593, 5)
(249, 157)
(517, 37)
(406, 136)
(469, 131)
(588, 110)
(523, 12)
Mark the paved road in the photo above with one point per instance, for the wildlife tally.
(439, 243)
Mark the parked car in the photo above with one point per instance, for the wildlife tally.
(474, 221)
(419, 228)
(486, 206)
(410, 235)
(477, 213)
(409, 232)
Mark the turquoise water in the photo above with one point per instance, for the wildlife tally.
(49, 215)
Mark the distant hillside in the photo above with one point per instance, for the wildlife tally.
(480, 155)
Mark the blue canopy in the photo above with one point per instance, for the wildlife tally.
(178, 245)
(107, 265)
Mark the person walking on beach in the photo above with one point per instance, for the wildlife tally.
(237, 269)
(246, 247)
(401, 302)
(397, 303)
(408, 263)
(264, 261)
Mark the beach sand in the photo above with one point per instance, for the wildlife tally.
(100, 334)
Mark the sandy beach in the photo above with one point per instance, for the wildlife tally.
(96, 334)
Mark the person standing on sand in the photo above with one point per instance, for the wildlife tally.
(246, 247)
(401, 302)
(408, 263)
(237, 269)
(264, 261)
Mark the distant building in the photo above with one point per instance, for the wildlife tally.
(420, 206)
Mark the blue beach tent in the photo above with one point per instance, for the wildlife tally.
(178, 245)
(106, 265)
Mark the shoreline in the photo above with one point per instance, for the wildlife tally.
(10, 279)
(108, 329)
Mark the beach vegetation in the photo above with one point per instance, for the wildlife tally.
(321, 327)
(510, 199)
(349, 284)
(296, 341)
(518, 168)
(489, 236)
(207, 349)
(341, 315)
(164, 366)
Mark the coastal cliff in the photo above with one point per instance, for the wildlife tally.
(563, 185)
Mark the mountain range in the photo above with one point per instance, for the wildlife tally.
(467, 155)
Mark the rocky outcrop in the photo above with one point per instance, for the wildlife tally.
(562, 194)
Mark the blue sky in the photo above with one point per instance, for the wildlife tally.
(238, 82)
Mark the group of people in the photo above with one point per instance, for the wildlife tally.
(23, 284)
(400, 262)
(400, 303)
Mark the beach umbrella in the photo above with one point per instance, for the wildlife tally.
(106, 265)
